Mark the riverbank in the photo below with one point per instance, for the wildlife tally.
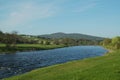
(27, 47)
(100, 68)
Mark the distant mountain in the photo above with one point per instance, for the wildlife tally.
(70, 35)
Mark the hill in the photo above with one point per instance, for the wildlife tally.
(71, 35)
(100, 68)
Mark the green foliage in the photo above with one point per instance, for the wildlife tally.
(100, 68)
(113, 43)
(116, 42)
(14, 42)
(106, 42)
(27, 47)
(11, 39)
(71, 36)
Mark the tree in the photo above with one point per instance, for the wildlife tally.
(68, 41)
(10, 39)
(1, 32)
(1, 36)
(56, 41)
(106, 41)
(116, 42)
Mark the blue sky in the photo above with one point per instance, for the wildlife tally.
(93, 17)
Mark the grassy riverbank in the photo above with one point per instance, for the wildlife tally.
(100, 68)
(27, 47)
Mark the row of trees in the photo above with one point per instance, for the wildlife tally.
(113, 43)
(64, 41)
(74, 42)
(11, 39)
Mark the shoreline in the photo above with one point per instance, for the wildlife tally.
(29, 48)
(109, 50)
(68, 65)
(76, 59)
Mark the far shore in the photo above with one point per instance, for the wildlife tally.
(27, 47)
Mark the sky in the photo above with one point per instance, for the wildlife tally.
(36, 17)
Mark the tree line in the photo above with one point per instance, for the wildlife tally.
(75, 42)
(11, 39)
(113, 43)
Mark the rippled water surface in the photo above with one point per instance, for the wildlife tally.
(21, 62)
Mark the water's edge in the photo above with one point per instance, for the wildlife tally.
(39, 59)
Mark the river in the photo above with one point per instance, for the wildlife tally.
(21, 62)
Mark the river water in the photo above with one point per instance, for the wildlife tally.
(21, 62)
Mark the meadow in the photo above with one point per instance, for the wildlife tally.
(27, 47)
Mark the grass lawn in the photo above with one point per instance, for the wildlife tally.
(100, 68)
(39, 45)
(2, 45)
(27, 47)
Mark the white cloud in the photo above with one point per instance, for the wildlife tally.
(23, 13)
(26, 12)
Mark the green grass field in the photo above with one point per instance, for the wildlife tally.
(28, 47)
(100, 68)
(39, 46)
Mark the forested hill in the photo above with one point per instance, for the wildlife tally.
(71, 35)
